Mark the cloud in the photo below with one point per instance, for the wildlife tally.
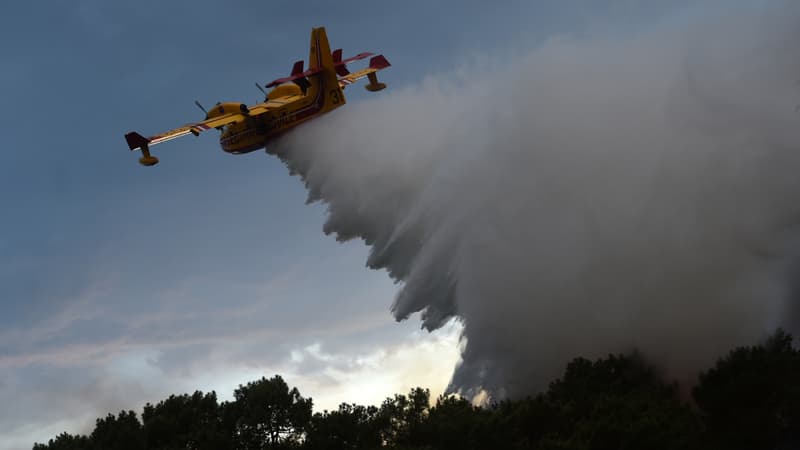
(597, 194)
(111, 348)
(330, 373)
(333, 377)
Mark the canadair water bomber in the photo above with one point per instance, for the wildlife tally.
(293, 100)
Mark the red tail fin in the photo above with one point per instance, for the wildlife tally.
(297, 69)
(378, 62)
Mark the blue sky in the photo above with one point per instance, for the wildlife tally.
(121, 284)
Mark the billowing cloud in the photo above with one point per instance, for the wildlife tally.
(595, 195)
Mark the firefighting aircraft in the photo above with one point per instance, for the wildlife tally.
(293, 100)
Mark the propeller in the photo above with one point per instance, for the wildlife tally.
(261, 89)
(201, 107)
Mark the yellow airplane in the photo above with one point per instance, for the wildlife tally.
(293, 100)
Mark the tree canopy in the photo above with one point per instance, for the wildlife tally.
(750, 399)
(269, 415)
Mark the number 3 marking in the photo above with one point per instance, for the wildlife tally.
(336, 97)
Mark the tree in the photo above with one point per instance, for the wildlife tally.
(616, 403)
(454, 423)
(351, 427)
(65, 441)
(522, 423)
(751, 397)
(192, 422)
(402, 417)
(269, 415)
(123, 432)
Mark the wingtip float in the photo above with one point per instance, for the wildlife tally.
(302, 96)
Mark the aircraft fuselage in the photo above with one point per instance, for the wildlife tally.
(285, 113)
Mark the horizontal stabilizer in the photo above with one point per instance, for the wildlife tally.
(356, 58)
(294, 77)
(376, 63)
(341, 65)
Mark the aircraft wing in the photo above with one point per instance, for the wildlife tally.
(138, 142)
(376, 63)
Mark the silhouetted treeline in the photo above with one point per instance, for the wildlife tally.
(749, 400)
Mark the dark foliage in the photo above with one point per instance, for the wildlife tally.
(123, 432)
(351, 427)
(268, 415)
(187, 422)
(749, 400)
(65, 441)
(617, 403)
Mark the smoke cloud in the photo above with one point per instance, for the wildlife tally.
(593, 195)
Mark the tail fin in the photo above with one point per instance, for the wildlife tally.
(136, 140)
(324, 83)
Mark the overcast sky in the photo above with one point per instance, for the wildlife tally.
(121, 284)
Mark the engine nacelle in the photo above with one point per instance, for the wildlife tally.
(226, 108)
(284, 90)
